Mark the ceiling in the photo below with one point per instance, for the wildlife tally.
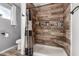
(35, 4)
(18, 4)
(40, 4)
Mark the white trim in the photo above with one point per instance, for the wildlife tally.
(13, 47)
(71, 30)
(23, 23)
(13, 15)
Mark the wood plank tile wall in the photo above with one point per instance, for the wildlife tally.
(50, 25)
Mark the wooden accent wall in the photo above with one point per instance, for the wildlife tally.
(67, 22)
(50, 25)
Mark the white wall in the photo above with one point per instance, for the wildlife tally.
(75, 31)
(14, 32)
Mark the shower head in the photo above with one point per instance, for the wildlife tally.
(74, 10)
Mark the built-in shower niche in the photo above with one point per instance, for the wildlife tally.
(53, 25)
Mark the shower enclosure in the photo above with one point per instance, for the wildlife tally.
(48, 29)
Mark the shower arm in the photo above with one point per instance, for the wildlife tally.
(74, 10)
